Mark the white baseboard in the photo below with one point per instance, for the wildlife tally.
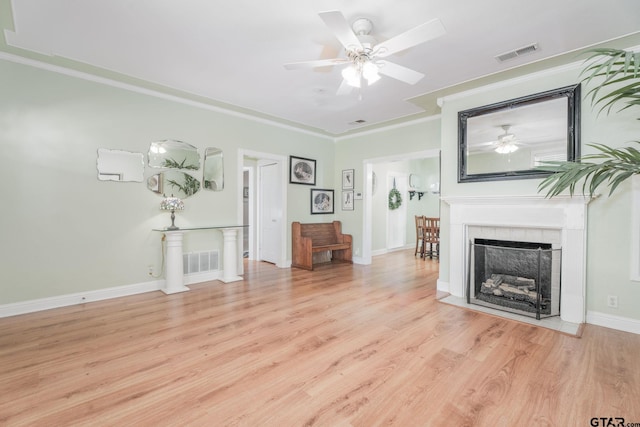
(359, 260)
(443, 286)
(23, 307)
(31, 306)
(614, 322)
(379, 252)
(190, 279)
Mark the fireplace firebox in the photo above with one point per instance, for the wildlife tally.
(518, 277)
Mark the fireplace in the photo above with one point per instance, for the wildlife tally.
(514, 276)
(560, 222)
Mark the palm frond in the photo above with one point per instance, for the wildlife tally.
(613, 67)
(618, 164)
(617, 74)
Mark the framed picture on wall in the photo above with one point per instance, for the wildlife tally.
(321, 201)
(302, 171)
(347, 200)
(347, 179)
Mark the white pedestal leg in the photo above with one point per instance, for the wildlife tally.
(230, 261)
(174, 275)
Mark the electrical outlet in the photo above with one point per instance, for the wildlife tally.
(612, 301)
(151, 270)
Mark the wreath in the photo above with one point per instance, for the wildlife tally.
(395, 199)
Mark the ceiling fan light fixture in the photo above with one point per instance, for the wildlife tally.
(351, 75)
(506, 141)
(506, 148)
(370, 72)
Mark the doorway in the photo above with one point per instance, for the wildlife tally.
(377, 184)
(270, 211)
(397, 218)
(266, 212)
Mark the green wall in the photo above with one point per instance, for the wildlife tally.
(428, 205)
(609, 218)
(379, 147)
(66, 232)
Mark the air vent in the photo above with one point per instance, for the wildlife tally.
(358, 122)
(518, 52)
(197, 262)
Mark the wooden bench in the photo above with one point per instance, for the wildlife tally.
(318, 237)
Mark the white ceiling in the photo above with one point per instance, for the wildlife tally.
(233, 51)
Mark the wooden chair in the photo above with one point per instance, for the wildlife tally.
(420, 225)
(431, 237)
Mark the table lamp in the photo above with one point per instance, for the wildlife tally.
(172, 204)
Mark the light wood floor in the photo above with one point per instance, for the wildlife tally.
(341, 346)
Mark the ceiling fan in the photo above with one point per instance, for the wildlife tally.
(363, 53)
(506, 142)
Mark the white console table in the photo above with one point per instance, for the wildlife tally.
(174, 275)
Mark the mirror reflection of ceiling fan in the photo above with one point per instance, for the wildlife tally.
(364, 54)
(506, 142)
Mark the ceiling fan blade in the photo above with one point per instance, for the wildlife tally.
(399, 72)
(314, 64)
(420, 34)
(336, 21)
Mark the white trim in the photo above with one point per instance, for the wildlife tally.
(31, 306)
(577, 65)
(443, 286)
(388, 128)
(137, 89)
(282, 161)
(634, 261)
(614, 322)
(251, 211)
(559, 200)
(190, 279)
(524, 214)
(510, 82)
(367, 213)
(359, 260)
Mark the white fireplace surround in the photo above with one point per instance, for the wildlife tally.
(530, 218)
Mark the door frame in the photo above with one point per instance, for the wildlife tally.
(367, 214)
(250, 208)
(281, 160)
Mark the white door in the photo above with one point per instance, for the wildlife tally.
(397, 218)
(270, 212)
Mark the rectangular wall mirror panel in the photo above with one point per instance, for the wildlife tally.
(509, 139)
(119, 165)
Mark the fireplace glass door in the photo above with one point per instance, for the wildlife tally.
(519, 277)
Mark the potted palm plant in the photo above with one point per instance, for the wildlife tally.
(617, 73)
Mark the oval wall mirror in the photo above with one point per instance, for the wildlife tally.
(213, 169)
(173, 154)
(118, 165)
(179, 184)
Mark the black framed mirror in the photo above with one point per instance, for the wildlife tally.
(509, 139)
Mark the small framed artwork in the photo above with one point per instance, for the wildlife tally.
(321, 201)
(347, 179)
(302, 171)
(347, 200)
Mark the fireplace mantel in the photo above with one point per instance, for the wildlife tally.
(518, 199)
(523, 215)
